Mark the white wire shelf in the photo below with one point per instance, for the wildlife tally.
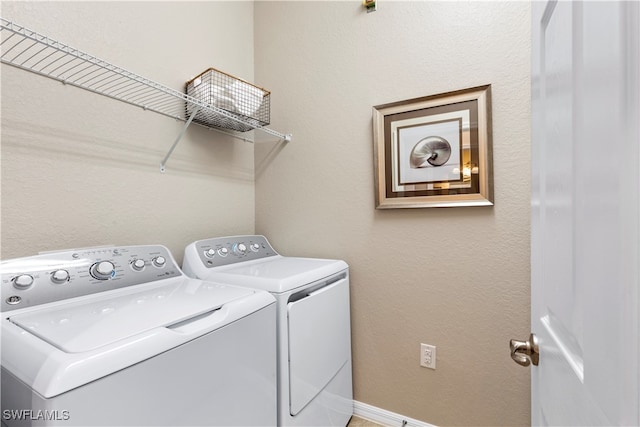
(36, 53)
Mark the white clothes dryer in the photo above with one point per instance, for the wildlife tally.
(120, 336)
(313, 321)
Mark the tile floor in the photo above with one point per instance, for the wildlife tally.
(361, 422)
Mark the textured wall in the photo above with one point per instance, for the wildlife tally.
(456, 278)
(79, 169)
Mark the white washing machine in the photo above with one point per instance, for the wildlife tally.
(314, 332)
(120, 336)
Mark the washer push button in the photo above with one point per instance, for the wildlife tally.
(13, 300)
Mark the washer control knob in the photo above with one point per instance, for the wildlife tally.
(255, 247)
(103, 270)
(137, 264)
(223, 251)
(159, 261)
(60, 276)
(240, 249)
(210, 253)
(23, 281)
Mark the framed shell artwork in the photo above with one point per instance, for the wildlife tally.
(434, 151)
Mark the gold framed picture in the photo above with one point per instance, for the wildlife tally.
(434, 151)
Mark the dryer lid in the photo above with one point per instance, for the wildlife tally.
(277, 274)
(88, 324)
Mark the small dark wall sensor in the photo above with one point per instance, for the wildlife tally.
(370, 5)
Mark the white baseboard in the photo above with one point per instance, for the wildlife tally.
(384, 417)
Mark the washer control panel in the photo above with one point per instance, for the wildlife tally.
(221, 251)
(56, 276)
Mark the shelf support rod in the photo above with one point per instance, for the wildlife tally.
(178, 138)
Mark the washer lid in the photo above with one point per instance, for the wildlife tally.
(277, 274)
(82, 326)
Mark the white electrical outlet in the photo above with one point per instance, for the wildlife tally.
(428, 356)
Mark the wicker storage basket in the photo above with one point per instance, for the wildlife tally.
(248, 103)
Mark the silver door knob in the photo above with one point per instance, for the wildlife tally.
(525, 352)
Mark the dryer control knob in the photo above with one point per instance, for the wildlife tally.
(137, 264)
(103, 270)
(255, 247)
(210, 253)
(23, 281)
(60, 276)
(240, 249)
(223, 251)
(159, 261)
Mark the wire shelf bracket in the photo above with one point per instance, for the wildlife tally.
(30, 51)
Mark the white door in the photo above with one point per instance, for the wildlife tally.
(585, 212)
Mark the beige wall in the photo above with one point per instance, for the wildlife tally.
(456, 278)
(79, 169)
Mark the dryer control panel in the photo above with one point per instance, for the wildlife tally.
(221, 251)
(55, 276)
